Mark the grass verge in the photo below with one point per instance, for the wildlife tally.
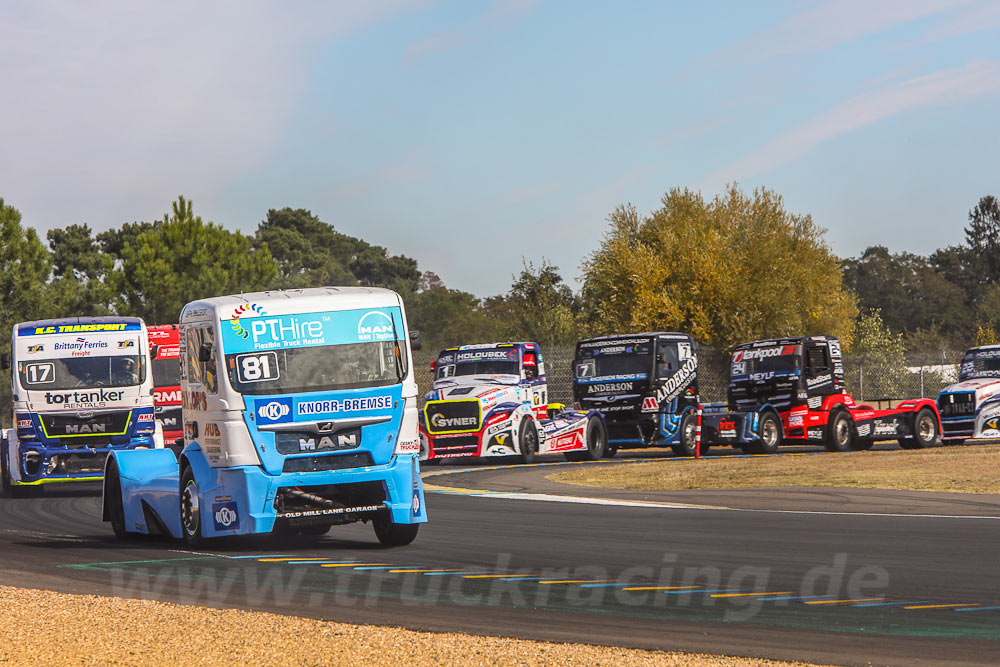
(957, 469)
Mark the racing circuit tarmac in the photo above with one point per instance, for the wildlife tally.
(840, 577)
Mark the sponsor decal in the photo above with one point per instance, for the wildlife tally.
(607, 378)
(440, 422)
(864, 430)
(815, 434)
(212, 430)
(375, 325)
(195, 400)
(335, 510)
(274, 411)
(126, 344)
(614, 343)
(365, 404)
(172, 396)
(145, 417)
(677, 382)
(883, 428)
(487, 355)
(609, 388)
(568, 441)
(249, 310)
(727, 428)
(226, 515)
(763, 353)
(814, 402)
(649, 404)
(795, 420)
(347, 440)
(81, 344)
(761, 377)
(821, 380)
(75, 398)
(24, 423)
(32, 349)
(80, 328)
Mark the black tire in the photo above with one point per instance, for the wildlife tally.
(610, 451)
(925, 430)
(771, 432)
(863, 444)
(190, 508)
(596, 437)
(839, 432)
(391, 534)
(113, 498)
(527, 442)
(687, 436)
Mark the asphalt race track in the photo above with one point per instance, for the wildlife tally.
(841, 577)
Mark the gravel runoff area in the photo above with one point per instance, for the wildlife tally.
(107, 630)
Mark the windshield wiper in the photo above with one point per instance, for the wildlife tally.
(397, 353)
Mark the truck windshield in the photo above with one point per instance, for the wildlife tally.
(74, 372)
(166, 372)
(502, 361)
(767, 360)
(980, 364)
(613, 359)
(317, 368)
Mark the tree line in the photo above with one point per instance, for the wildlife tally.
(733, 268)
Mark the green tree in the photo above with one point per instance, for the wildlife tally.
(875, 365)
(181, 259)
(539, 307)
(447, 317)
(310, 252)
(84, 278)
(734, 269)
(25, 266)
(982, 237)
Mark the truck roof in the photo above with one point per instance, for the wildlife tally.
(486, 346)
(647, 334)
(292, 301)
(984, 348)
(787, 340)
(26, 328)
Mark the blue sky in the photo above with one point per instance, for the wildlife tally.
(473, 135)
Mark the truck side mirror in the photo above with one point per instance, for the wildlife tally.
(154, 351)
(5, 360)
(415, 342)
(205, 352)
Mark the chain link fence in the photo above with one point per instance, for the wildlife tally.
(867, 378)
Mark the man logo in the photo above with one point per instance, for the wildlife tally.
(273, 411)
(375, 325)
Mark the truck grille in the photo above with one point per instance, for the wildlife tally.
(320, 463)
(960, 404)
(86, 424)
(452, 416)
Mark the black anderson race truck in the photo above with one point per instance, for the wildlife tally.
(791, 390)
(645, 385)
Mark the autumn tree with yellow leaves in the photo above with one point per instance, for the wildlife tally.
(735, 269)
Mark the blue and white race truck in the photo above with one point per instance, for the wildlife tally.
(81, 389)
(300, 412)
(970, 409)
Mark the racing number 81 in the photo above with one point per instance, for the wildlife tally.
(257, 367)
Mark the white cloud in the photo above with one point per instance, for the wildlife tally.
(111, 109)
(499, 14)
(962, 84)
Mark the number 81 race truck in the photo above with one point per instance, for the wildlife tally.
(491, 400)
(300, 412)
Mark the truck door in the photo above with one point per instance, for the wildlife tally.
(819, 371)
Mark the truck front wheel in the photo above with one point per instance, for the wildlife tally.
(113, 497)
(840, 432)
(596, 440)
(394, 534)
(687, 437)
(770, 434)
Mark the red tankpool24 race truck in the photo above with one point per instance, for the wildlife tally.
(791, 390)
(491, 400)
(165, 351)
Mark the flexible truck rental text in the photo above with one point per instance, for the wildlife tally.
(81, 389)
(300, 412)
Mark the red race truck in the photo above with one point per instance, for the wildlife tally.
(791, 391)
(165, 351)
